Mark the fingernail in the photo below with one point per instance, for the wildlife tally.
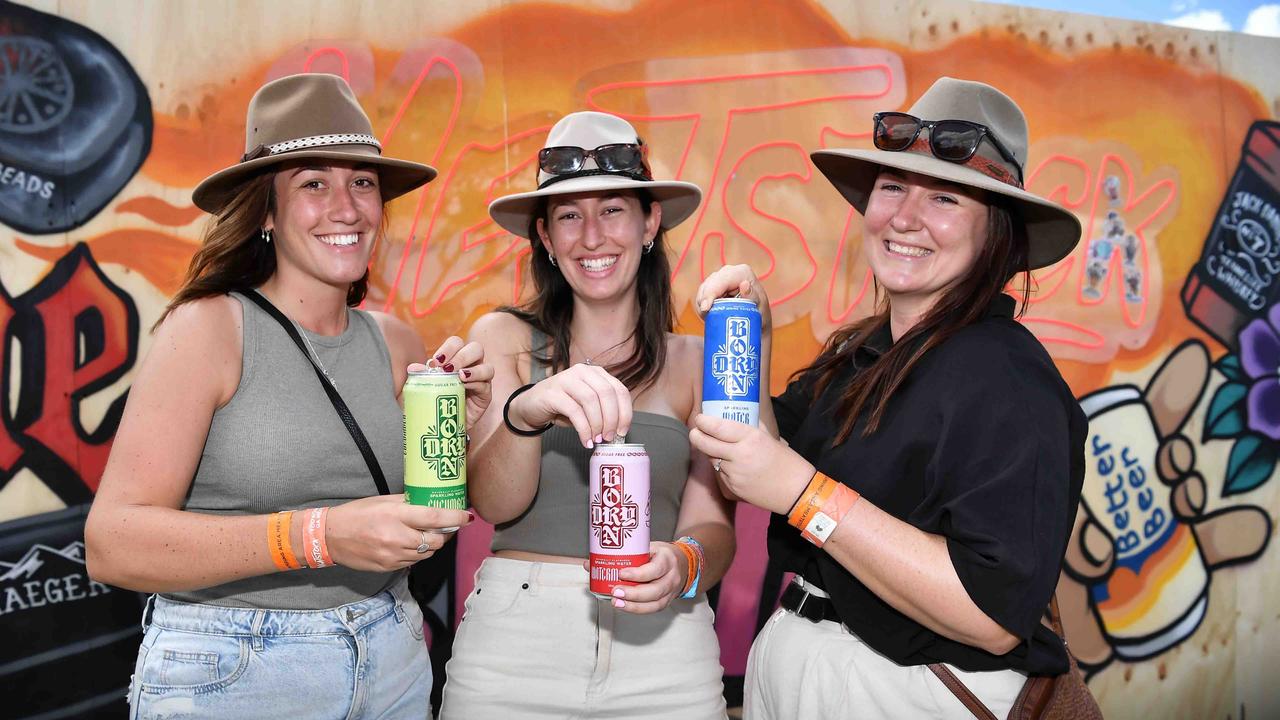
(600, 438)
(471, 517)
(448, 367)
(588, 444)
(619, 592)
(440, 357)
(618, 603)
(466, 373)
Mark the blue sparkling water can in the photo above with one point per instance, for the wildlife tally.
(731, 361)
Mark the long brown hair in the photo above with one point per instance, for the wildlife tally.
(1003, 257)
(233, 254)
(551, 309)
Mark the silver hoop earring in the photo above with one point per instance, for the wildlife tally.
(266, 235)
(552, 258)
(647, 247)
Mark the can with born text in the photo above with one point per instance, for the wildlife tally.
(618, 514)
(731, 361)
(435, 440)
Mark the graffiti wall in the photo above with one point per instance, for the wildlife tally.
(1165, 320)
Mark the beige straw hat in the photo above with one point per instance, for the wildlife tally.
(588, 131)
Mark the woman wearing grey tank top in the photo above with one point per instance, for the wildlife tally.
(590, 357)
(231, 467)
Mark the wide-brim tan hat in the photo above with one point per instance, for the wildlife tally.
(1053, 231)
(308, 116)
(589, 130)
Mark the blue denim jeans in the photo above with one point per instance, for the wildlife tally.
(366, 659)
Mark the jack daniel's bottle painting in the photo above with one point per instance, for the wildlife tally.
(1238, 275)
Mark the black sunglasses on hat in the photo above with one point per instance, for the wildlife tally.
(951, 140)
(616, 157)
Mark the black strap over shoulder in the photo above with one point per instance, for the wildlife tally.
(341, 407)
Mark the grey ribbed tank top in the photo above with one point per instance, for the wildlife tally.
(556, 521)
(278, 444)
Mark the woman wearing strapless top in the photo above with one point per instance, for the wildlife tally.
(590, 357)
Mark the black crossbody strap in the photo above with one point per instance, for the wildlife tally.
(343, 411)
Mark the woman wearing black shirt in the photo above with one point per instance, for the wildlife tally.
(935, 454)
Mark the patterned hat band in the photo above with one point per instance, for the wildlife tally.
(990, 168)
(311, 142)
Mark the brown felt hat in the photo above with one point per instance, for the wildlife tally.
(313, 115)
(1053, 231)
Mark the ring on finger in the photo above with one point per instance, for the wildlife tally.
(716, 465)
(423, 548)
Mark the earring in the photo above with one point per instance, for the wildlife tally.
(647, 247)
(266, 235)
(552, 258)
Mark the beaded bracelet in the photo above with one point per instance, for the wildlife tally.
(506, 416)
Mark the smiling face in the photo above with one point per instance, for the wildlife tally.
(920, 236)
(326, 217)
(597, 239)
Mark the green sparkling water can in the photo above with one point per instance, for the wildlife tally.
(435, 440)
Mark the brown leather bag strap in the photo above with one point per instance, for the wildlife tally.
(961, 692)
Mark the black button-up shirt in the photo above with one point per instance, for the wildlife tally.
(983, 444)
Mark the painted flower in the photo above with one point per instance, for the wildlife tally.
(1260, 359)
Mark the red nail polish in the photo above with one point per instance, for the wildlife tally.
(471, 517)
(448, 367)
(466, 373)
(440, 357)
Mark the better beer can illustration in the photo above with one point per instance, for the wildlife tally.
(1157, 593)
(731, 361)
(435, 440)
(619, 513)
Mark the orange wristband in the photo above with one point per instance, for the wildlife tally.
(323, 532)
(316, 554)
(811, 500)
(278, 541)
(820, 510)
(273, 541)
(692, 565)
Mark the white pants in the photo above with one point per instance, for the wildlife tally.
(802, 669)
(534, 643)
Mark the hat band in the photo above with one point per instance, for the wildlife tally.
(310, 142)
(588, 173)
(990, 168)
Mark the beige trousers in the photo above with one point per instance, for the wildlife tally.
(802, 669)
(534, 643)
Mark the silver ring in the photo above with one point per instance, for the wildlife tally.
(716, 465)
(423, 548)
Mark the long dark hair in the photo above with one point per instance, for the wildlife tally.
(1003, 257)
(233, 255)
(551, 308)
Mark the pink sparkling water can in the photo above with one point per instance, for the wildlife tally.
(618, 514)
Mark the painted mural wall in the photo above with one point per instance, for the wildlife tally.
(1165, 320)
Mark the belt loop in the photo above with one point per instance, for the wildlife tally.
(148, 609)
(535, 572)
(255, 631)
(800, 605)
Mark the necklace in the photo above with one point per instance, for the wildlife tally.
(593, 356)
(316, 355)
